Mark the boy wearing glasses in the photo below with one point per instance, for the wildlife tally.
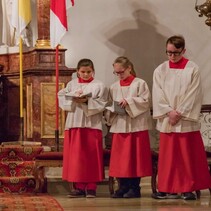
(177, 100)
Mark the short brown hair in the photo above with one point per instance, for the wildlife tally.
(85, 63)
(177, 40)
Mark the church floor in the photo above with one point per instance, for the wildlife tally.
(103, 202)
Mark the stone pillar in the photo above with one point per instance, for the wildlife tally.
(43, 24)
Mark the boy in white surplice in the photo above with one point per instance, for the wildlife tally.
(84, 99)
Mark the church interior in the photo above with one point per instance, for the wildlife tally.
(99, 30)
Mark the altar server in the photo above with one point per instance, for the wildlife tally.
(129, 119)
(84, 99)
(177, 100)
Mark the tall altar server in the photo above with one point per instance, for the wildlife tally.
(177, 100)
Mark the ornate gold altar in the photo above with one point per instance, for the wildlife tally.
(39, 88)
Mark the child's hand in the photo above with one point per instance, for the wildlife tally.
(174, 117)
(123, 103)
(78, 93)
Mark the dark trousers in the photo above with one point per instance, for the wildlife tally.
(129, 183)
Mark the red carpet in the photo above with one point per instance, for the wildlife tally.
(28, 202)
(16, 168)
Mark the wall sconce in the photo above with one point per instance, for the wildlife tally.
(205, 9)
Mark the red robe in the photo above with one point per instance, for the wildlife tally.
(83, 157)
(130, 152)
(83, 143)
(130, 155)
(182, 164)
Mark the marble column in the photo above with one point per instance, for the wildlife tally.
(43, 24)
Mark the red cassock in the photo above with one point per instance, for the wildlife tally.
(83, 155)
(182, 163)
(130, 155)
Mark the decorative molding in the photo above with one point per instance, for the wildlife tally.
(206, 108)
(29, 111)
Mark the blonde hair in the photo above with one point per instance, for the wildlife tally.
(125, 62)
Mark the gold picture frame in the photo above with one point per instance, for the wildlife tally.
(48, 111)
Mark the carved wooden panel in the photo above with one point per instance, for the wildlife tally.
(205, 120)
(48, 111)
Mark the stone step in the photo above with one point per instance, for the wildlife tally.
(57, 186)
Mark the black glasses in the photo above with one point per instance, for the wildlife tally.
(119, 72)
(175, 53)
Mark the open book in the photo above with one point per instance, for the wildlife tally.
(71, 95)
(118, 109)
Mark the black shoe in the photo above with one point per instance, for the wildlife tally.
(132, 194)
(188, 196)
(159, 195)
(162, 195)
(90, 194)
(77, 193)
(119, 193)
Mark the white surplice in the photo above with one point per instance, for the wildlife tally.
(84, 115)
(138, 116)
(177, 89)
